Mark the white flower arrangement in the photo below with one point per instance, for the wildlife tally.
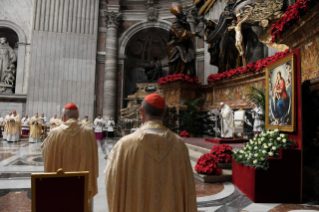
(262, 146)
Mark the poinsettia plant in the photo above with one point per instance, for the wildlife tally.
(207, 164)
(178, 77)
(251, 67)
(292, 15)
(223, 152)
(255, 153)
(184, 134)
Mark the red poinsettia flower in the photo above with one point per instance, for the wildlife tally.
(223, 153)
(177, 77)
(207, 164)
(292, 15)
(184, 134)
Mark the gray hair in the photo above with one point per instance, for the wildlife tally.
(149, 110)
(71, 114)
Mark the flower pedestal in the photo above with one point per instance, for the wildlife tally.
(174, 92)
(279, 184)
(226, 176)
(226, 141)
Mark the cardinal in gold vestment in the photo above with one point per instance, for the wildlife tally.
(35, 128)
(6, 124)
(14, 127)
(149, 170)
(54, 122)
(72, 146)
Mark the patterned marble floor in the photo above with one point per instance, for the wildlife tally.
(19, 160)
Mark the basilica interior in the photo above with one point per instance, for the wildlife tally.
(240, 79)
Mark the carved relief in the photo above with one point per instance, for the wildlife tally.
(151, 11)
(113, 19)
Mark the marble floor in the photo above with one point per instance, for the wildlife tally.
(19, 160)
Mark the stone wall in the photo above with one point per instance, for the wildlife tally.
(63, 56)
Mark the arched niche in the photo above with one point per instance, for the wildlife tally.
(141, 35)
(20, 47)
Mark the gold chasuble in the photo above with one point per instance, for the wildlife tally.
(72, 146)
(87, 123)
(14, 126)
(35, 129)
(148, 172)
(5, 124)
(54, 122)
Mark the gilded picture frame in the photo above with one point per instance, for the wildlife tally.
(280, 110)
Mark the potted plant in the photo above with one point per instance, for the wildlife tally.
(223, 153)
(207, 164)
(190, 119)
(255, 153)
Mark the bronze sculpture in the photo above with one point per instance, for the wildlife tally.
(180, 46)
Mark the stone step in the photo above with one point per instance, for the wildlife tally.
(224, 177)
(197, 148)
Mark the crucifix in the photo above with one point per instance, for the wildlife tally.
(158, 149)
(237, 26)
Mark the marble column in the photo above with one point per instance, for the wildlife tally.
(110, 75)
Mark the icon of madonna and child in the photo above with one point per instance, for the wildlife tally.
(280, 93)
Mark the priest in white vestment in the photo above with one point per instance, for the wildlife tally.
(149, 170)
(14, 127)
(6, 124)
(25, 122)
(54, 122)
(257, 114)
(44, 119)
(226, 115)
(72, 146)
(98, 124)
(35, 128)
(110, 128)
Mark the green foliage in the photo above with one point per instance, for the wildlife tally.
(258, 149)
(190, 118)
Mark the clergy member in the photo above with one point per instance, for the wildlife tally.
(86, 121)
(25, 122)
(257, 114)
(110, 128)
(149, 170)
(226, 116)
(1, 123)
(54, 122)
(6, 124)
(14, 127)
(43, 119)
(35, 128)
(98, 124)
(72, 147)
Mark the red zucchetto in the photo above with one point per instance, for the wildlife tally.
(156, 101)
(71, 106)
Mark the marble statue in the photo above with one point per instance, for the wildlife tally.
(8, 75)
(7, 57)
(180, 45)
(226, 116)
(238, 29)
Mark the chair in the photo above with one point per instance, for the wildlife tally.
(60, 191)
(238, 121)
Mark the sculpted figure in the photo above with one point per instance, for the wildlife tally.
(180, 45)
(238, 30)
(8, 75)
(7, 57)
